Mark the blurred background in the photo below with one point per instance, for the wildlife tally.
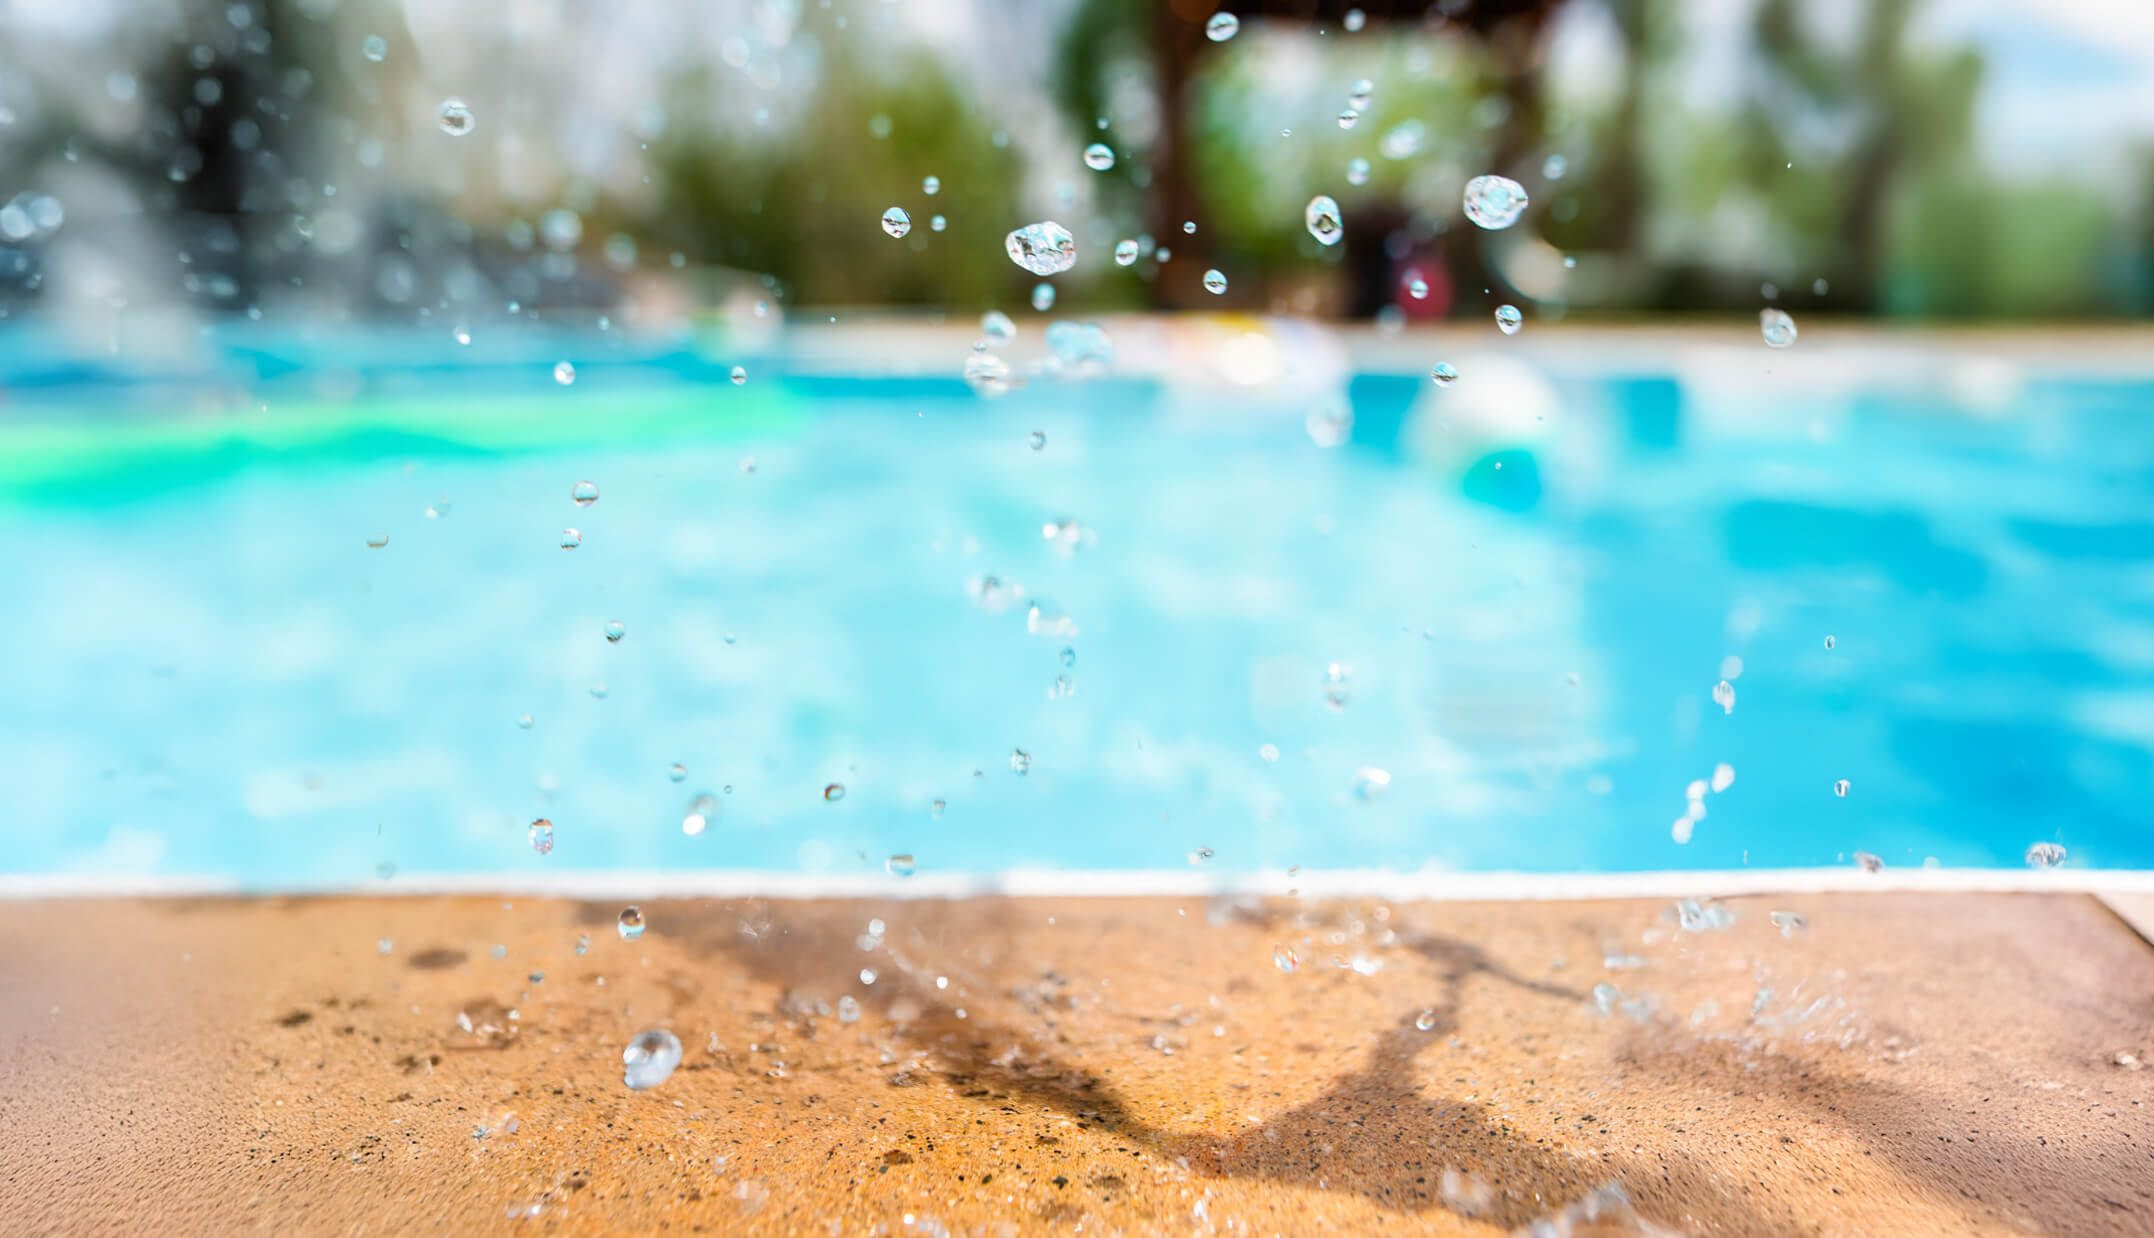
(303, 160)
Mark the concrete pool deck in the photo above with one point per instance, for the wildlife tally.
(1907, 1062)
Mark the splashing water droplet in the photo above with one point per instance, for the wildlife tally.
(1354, 19)
(1724, 696)
(1038, 439)
(996, 328)
(1284, 958)
(987, 374)
(1357, 171)
(834, 792)
(1321, 217)
(1777, 328)
(931, 186)
(583, 493)
(1099, 156)
(1125, 253)
(1723, 777)
(896, 222)
(564, 373)
(1869, 863)
(1044, 248)
(902, 864)
(454, 117)
(936, 223)
(1444, 373)
(1789, 923)
(614, 631)
(1020, 761)
(1358, 96)
(936, 809)
(376, 541)
(1370, 782)
(1508, 319)
(542, 836)
(1417, 288)
(1043, 297)
(1331, 422)
(650, 1059)
(374, 48)
(630, 923)
(1221, 27)
(1215, 282)
(2045, 855)
(523, 721)
(570, 539)
(1425, 1021)
(701, 811)
(1200, 856)
(677, 771)
(739, 375)
(1554, 167)
(1348, 118)
(1830, 642)
(1494, 202)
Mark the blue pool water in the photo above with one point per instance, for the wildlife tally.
(211, 673)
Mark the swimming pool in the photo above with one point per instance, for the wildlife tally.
(1530, 584)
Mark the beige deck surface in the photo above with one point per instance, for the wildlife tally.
(1912, 1064)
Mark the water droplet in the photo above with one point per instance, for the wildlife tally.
(1044, 248)
(987, 374)
(650, 1059)
(1869, 863)
(1777, 328)
(583, 493)
(1200, 856)
(935, 809)
(1359, 94)
(1494, 202)
(631, 923)
(1269, 753)
(996, 328)
(523, 721)
(936, 223)
(1038, 439)
(1221, 27)
(1020, 761)
(1723, 777)
(1069, 657)
(1693, 916)
(1214, 282)
(1606, 997)
(902, 864)
(848, 1009)
(454, 117)
(542, 836)
(1425, 1021)
(1508, 319)
(1402, 140)
(1370, 782)
(1284, 958)
(570, 539)
(583, 944)
(1840, 788)
(377, 540)
(1789, 923)
(1338, 685)
(1357, 171)
(867, 975)
(739, 375)
(1348, 118)
(1125, 252)
(1331, 422)
(1043, 297)
(931, 186)
(2045, 855)
(614, 631)
(896, 222)
(385, 945)
(1189, 227)
(1444, 373)
(374, 48)
(1099, 156)
(564, 373)
(1830, 642)
(834, 792)
(702, 810)
(1724, 696)
(1321, 217)
(1554, 167)
(598, 692)
(1417, 288)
